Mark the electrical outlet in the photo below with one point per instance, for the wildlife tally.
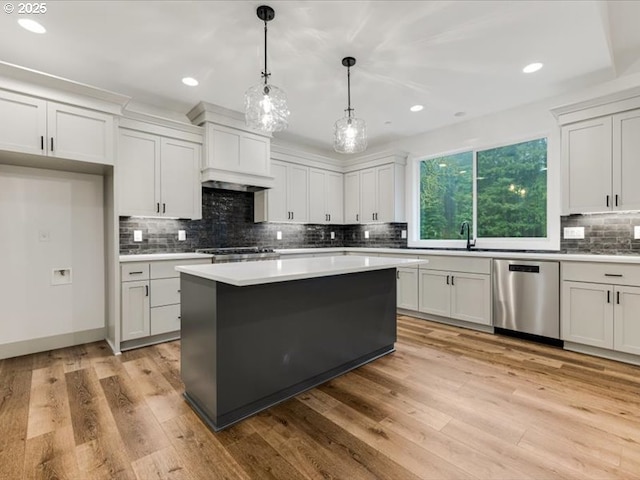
(137, 235)
(61, 276)
(403, 234)
(278, 235)
(636, 232)
(182, 235)
(573, 233)
(333, 235)
(366, 234)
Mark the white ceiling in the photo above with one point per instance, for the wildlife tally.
(450, 56)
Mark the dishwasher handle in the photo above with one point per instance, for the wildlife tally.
(524, 268)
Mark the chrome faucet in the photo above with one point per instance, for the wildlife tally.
(469, 242)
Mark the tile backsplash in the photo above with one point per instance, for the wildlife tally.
(227, 221)
(604, 234)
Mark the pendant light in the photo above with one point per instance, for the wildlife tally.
(350, 132)
(265, 104)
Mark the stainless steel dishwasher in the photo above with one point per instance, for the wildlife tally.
(526, 297)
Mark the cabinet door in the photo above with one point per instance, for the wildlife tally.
(254, 154)
(626, 160)
(23, 123)
(368, 194)
(79, 134)
(277, 196)
(180, 191)
(317, 197)
(587, 151)
(627, 319)
(587, 314)
(434, 292)
(138, 180)
(386, 194)
(407, 288)
(165, 319)
(298, 193)
(471, 297)
(165, 291)
(352, 198)
(334, 183)
(135, 310)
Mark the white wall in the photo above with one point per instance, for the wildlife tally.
(50, 219)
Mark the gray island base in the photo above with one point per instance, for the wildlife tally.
(246, 348)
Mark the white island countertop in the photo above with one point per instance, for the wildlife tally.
(269, 271)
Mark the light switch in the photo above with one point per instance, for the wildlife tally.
(182, 235)
(573, 233)
(137, 235)
(636, 232)
(278, 235)
(366, 234)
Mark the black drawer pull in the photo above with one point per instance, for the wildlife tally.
(52, 144)
(612, 274)
(136, 273)
(608, 296)
(618, 298)
(41, 142)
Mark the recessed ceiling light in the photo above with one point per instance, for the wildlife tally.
(31, 25)
(532, 67)
(459, 114)
(190, 81)
(416, 108)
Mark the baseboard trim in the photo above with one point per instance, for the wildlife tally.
(147, 341)
(448, 321)
(27, 347)
(603, 352)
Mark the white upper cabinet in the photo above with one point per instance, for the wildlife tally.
(158, 175)
(288, 200)
(32, 125)
(375, 194)
(352, 198)
(237, 151)
(325, 196)
(626, 160)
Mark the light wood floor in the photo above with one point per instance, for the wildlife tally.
(449, 404)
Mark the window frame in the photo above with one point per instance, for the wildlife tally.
(550, 242)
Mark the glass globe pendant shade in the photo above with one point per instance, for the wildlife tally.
(350, 135)
(265, 108)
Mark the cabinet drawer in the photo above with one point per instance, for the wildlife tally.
(165, 291)
(165, 319)
(608, 273)
(457, 264)
(167, 268)
(134, 271)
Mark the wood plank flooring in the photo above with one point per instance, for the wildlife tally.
(448, 404)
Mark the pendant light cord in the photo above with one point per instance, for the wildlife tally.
(349, 91)
(265, 74)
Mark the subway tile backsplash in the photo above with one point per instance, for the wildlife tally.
(604, 234)
(227, 221)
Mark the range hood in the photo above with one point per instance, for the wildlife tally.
(235, 157)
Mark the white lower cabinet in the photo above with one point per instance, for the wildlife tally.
(457, 288)
(407, 288)
(150, 301)
(600, 305)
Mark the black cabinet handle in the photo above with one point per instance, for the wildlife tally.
(608, 296)
(292, 215)
(158, 207)
(452, 277)
(357, 217)
(398, 274)
(136, 273)
(616, 199)
(41, 142)
(329, 217)
(607, 200)
(52, 144)
(612, 274)
(146, 290)
(448, 279)
(164, 208)
(618, 298)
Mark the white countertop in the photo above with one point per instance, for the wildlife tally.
(270, 271)
(565, 257)
(153, 257)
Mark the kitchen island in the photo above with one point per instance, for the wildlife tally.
(256, 333)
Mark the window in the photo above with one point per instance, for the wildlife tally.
(501, 191)
(446, 195)
(512, 190)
